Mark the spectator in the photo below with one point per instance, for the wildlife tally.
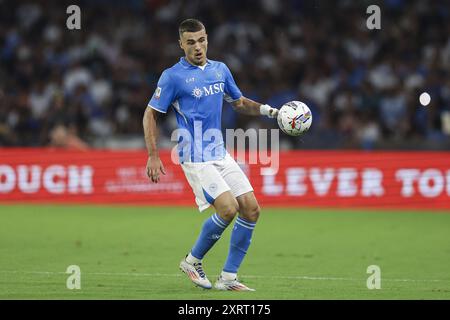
(62, 137)
(361, 85)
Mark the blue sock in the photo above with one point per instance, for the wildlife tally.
(240, 241)
(211, 231)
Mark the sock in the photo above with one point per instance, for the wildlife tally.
(191, 259)
(240, 241)
(228, 275)
(211, 231)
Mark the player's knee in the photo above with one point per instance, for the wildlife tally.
(229, 211)
(252, 213)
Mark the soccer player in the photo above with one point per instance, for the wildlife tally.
(195, 87)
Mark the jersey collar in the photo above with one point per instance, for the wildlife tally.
(187, 65)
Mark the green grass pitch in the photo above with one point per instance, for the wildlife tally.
(134, 252)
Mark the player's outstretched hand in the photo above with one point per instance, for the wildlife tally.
(267, 110)
(273, 113)
(154, 167)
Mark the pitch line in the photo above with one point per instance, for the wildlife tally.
(291, 277)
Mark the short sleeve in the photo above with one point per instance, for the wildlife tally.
(164, 94)
(232, 91)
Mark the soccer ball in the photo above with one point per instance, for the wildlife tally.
(294, 118)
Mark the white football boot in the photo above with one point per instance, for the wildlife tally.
(195, 273)
(231, 285)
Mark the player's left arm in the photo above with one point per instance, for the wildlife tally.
(250, 107)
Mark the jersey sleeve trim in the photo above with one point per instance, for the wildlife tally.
(229, 99)
(149, 105)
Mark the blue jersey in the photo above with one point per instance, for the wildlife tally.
(196, 94)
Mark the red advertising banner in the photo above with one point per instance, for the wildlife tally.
(301, 178)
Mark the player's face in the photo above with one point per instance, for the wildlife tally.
(195, 45)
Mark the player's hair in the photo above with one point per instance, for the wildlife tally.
(190, 25)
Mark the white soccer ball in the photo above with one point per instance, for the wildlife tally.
(294, 118)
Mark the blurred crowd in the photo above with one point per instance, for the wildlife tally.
(82, 88)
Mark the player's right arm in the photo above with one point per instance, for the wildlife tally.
(154, 164)
(159, 103)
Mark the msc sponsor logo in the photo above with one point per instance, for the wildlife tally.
(208, 91)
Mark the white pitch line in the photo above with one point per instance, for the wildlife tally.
(245, 276)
